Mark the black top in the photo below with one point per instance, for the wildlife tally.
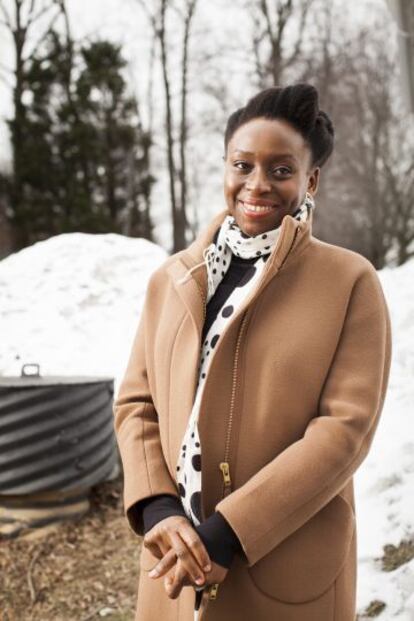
(237, 269)
(217, 535)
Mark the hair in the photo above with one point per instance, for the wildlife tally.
(298, 104)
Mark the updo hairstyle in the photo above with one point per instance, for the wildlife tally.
(298, 104)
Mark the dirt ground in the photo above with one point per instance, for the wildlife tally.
(88, 569)
(78, 571)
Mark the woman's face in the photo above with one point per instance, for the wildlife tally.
(267, 174)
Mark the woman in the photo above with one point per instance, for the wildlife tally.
(253, 391)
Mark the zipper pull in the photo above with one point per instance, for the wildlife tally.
(212, 592)
(225, 469)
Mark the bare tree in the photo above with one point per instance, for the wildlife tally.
(369, 184)
(377, 149)
(399, 173)
(6, 233)
(271, 22)
(187, 17)
(149, 142)
(70, 46)
(177, 170)
(365, 199)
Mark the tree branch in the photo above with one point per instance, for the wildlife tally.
(36, 47)
(34, 17)
(302, 23)
(265, 12)
(7, 19)
(152, 18)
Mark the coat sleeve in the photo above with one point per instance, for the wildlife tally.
(284, 494)
(137, 431)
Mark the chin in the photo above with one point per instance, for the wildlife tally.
(255, 226)
(250, 227)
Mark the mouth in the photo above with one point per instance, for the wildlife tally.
(258, 209)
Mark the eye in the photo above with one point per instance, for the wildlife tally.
(283, 171)
(243, 166)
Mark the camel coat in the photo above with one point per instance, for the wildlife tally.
(291, 403)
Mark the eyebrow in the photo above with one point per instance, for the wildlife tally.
(280, 156)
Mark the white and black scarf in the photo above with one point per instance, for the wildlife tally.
(231, 239)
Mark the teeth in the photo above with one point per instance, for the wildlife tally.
(257, 207)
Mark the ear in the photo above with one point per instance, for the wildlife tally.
(313, 181)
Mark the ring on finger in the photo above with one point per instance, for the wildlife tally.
(181, 553)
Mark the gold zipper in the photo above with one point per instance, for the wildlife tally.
(202, 298)
(225, 465)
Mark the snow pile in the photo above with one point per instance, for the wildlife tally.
(72, 304)
(384, 484)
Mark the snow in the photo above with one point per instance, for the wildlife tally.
(384, 484)
(72, 303)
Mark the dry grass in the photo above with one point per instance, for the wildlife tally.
(77, 571)
(395, 556)
(88, 570)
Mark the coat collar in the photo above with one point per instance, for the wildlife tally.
(194, 253)
(294, 236)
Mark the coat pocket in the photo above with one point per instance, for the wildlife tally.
(147, 560)
(305, 564)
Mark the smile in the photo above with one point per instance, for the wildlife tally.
(256, 209)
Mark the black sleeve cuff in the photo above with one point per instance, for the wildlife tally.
(219, 538)
(157, 508)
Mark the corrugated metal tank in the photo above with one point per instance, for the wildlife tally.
(56, 441)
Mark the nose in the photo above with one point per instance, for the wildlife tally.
(258, 181)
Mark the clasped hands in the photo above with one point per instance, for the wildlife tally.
(183, 556)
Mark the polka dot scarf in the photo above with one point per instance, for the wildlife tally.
(230, 239)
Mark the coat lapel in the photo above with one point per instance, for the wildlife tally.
(195, 288)
(193, 292)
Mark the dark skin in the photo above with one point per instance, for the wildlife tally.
(182, 555)
(267, 163)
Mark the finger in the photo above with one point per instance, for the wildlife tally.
(158, 550)
(153, 545)
(188, 561)
(165, 564)
(168, 580)
(197, 547)
(175, 583)
(156, 543)
(164, 547)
